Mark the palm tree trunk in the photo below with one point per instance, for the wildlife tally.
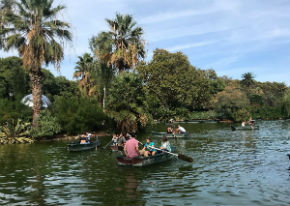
(104, 99)
(36, 84)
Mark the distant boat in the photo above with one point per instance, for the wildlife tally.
(170, 135)
(76, 146)
(245, 128)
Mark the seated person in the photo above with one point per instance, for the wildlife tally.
(165, 144)
(114, 140)
(83, 139)
(244, 123)
(121, 140)
(148, 148)
(180, 130)
(131, 148)
(252, 123)
(88, 137)
(169, 130)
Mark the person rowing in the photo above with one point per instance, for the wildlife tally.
(148, 148)
(180, 130)
(169, 130)
(244, 123)
(131, 147)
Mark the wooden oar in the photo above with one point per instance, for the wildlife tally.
(107, 144)
(180, 156)
(233, 128)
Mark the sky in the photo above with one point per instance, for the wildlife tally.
(230, 36)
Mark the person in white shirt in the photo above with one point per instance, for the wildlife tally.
(243, 123)
(114, 139)
(181, 130)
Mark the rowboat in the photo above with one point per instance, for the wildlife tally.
(192, 122)
(116, 148)
(160, 133)
(169, 135)
(245, 128)
(141, 161)
(76, 146)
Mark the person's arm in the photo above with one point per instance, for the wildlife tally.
(137, 149)
(125, 150)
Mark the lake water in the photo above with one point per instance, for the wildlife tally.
(229, 168)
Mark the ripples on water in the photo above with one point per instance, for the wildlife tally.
(229, 168)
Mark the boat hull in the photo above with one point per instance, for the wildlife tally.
(77, 147)
(169, 135)
(145, 161)
(248, 128)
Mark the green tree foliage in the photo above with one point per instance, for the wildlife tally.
(32, 27)
(101, 46)
(14, 80)
(126, 44)
(175, 83)
(14, 84)
(59, 86)
(15, 131)
(232, 103)
(48, 125)
(247, 79)
(127, 103)
(13, 110)
(286, 103)
(85, 68)
(78, 114)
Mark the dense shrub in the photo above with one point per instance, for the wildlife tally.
(127, 103)
(48, 125)
(202, 115)
(78, 114)
(13, 110)
(230, 102)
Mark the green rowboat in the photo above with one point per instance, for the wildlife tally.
(141, 161)
(169, 135)
(76, 146)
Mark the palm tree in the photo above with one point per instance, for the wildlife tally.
(127, 46)
(101, 46)
(248, 79)
(84, 69)
(33, 29)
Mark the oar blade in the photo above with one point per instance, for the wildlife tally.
(233, 128)
(185, 158)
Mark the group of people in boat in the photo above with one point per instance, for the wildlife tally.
(178, 130)
(85, 138)
(131, 148)
(119, 140)
(130, 145)
(251, 123)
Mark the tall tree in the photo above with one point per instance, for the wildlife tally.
(176, 83)
(101, 46)
(247, 79)
(84, 69)
(32, 27)
(127, 44)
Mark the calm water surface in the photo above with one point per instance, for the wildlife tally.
(229, 168)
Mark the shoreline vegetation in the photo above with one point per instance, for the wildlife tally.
(114, 88)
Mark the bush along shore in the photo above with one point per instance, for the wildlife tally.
(113, 87)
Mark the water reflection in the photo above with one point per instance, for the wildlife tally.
(229, 168)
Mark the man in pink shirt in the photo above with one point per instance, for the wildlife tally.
(131, 148)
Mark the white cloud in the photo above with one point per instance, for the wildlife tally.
(188, 46)
(217, 33)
